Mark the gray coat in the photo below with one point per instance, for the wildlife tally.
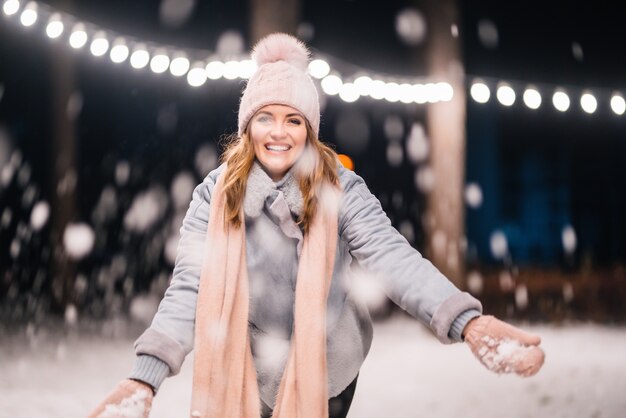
(366, 240)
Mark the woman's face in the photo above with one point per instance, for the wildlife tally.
(278, 135)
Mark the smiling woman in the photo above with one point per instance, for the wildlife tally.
(270, 243)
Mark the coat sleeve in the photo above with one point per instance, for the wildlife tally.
(410, 280)
(162, 348)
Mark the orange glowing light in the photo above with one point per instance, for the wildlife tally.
(346, 161)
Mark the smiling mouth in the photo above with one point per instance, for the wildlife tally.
(278, 147)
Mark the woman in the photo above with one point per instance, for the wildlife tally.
(267, 247)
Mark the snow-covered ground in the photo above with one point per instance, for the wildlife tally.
(407, 374)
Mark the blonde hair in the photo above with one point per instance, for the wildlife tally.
(317, 164)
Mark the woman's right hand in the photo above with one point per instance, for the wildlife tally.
(129, 399)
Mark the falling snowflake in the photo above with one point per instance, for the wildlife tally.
(71, 315)
(506, 281)
(306, 31)
(425, 179)
(39, 215)
(206, 159)
(182, 188)
(230, 42)
(367, 290)
(394, 128)
(498, 244)
(475, 282)
(577, 51)
(143, 308)
(106, 208)
(473, 195)
(395, 154)
(147, 208)
(175, 13)
(568, 237)
(74, 105)
(568, 292)
(78, 240)
(122, 173)
(417, 147)
(488, 33)
(411, 26)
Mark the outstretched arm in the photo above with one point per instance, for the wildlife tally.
(409, 279)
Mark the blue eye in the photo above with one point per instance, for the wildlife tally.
(295, 121)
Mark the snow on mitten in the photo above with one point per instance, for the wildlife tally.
(503, 348)
(130, 399)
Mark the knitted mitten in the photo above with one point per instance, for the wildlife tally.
(130, 399)
(503, 348)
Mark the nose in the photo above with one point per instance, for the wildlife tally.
(278, 131)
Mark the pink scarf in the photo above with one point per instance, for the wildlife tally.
(224, 382)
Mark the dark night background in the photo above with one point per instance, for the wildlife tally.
(538, 170)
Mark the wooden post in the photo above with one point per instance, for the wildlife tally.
(267, 16)
(64, 173)
(446, 130)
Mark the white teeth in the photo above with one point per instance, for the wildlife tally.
(277, 147)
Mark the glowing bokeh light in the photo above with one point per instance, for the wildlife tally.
(618, 105)
(159, 63)
(588, 102)
(231, 70)
(349, 93)
(377, 90)
(29, 15)
(480, 92)
(139, 58)
(55, 26)
(560, 100)
(78, 38)
(532, 98)
(363, 85)
(119, 52)
(11, 7)
(246, 69)
(215, 70)
(346, 161)
(331, 85)
(99, 45)
(319, 68)
(505, 95)
(179, 66)
(392, 92)
(406, 93)
(197, 75)
(445, 92)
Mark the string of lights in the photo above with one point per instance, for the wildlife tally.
(202, 66)
(481, 89)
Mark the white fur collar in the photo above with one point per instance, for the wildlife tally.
(260, 188)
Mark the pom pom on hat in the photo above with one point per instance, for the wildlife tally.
(281, 47)
(281, 78)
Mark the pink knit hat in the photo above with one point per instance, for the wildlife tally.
(281, 78)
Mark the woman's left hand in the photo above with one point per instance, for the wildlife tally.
(503, 348)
